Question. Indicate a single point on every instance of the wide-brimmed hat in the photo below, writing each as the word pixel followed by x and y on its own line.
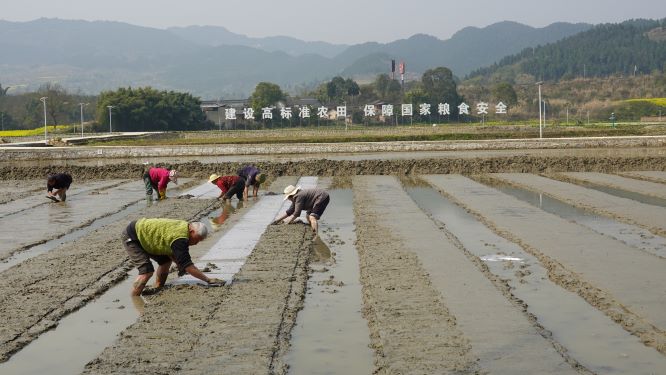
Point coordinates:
pixel 260 178
pixel 213 177
pixel 290 190
pixel 173 176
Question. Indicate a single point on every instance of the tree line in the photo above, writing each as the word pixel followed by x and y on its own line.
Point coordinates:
pixel 133 109
pixel 148 109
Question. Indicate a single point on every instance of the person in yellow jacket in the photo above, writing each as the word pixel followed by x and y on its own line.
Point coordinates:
pixel 164 241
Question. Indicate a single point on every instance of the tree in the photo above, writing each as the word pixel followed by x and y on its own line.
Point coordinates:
pixel 440 86
pixel 416 97
pixel 146 109
pixel 504 92
pixel 266 94
pixel 57 102
pixel 352 87
pixel 388 89
pixel 382 83
pixel 336 89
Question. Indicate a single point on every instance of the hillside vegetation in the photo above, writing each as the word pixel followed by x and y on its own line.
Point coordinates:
pixel 631 98
pixel 629 48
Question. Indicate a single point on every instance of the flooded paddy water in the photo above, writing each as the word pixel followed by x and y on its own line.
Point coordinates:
pixel 502 273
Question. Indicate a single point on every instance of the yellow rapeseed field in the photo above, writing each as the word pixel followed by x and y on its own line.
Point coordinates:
pixel 33 132
pixel 658 101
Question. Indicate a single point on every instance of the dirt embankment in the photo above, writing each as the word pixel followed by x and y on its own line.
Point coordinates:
pixel 325 167
pixel 241 328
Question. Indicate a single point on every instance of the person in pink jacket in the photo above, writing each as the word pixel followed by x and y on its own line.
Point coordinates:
pixel 157 179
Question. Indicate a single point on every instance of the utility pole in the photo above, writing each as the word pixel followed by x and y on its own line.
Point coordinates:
pixel 43 100
pixel 540 118
pixel 81 105
pixel 110 107
pixel 219 115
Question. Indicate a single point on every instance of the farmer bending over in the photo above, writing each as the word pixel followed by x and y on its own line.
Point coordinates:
pixel 253 177
pixel 157 179
pixel 229 185
pixel 57 185
pixel 164 241
pixel 313 201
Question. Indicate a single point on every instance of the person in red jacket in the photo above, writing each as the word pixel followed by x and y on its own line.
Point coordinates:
pixel 229 185
pixel 157 179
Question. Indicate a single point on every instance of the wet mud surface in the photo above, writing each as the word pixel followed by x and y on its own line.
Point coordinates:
pixel 241 328
pixel 432 302
pixel 578 259
pixel 36 293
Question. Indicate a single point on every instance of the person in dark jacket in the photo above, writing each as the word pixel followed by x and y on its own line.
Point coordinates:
pixel 164 241
pixel 253 177
pixel 313 201
pixel 57 185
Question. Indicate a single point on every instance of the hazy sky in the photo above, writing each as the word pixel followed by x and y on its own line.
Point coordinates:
pixel 342 21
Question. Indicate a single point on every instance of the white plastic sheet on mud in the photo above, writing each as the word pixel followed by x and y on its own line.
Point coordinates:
pixel 500 258
pixel 206 190
pixel 226 257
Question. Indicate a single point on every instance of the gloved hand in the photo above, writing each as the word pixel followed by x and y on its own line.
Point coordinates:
pixel 162 194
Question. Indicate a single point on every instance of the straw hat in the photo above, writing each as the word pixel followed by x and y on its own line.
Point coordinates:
pixel 290 190
pixel 173 176
pixel 260 178
pixel 213 177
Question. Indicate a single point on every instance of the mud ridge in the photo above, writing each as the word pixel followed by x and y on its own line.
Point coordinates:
pixel 642 178
pixel 59 235
pixel 398 317
pixel 13 190
pixel 325 167
pixel 490 180
pixel 37 293
pixel 504 287
pixel 70 195
pixel 560 275
pixel 241 328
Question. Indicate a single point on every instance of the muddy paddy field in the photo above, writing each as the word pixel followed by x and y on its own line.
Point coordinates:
pixel 481 263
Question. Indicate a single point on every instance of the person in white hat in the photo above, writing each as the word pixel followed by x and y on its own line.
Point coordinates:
pixel 313 201
pixel 229 185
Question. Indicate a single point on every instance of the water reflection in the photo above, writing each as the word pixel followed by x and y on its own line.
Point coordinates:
pixel 139 304
pixel 321 252
pixel 227 210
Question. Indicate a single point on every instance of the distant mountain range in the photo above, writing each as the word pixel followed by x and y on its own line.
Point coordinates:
pixel 213 62
pixel 216 36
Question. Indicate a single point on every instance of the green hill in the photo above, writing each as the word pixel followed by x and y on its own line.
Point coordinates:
pixel 629 48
